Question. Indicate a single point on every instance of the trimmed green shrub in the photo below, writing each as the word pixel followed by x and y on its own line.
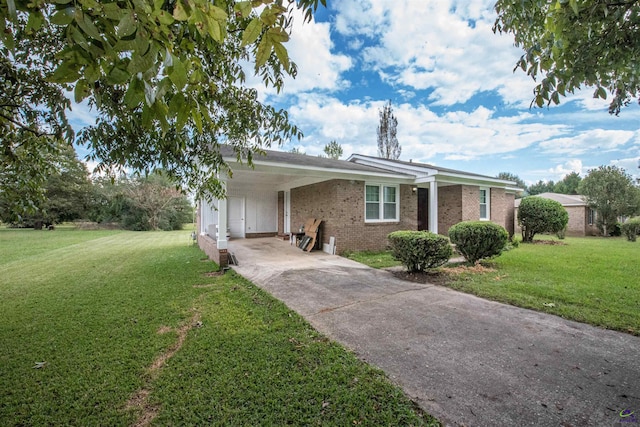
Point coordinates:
pixel 419 250
pixel 540 215
pixel 476 240
pixel 631 228
pixel 616 230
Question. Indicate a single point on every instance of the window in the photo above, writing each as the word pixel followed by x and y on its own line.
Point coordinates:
pixel 592 217
pixel 485 210
pixel 381 203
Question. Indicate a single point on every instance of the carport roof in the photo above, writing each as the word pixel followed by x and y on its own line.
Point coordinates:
pixel 272 157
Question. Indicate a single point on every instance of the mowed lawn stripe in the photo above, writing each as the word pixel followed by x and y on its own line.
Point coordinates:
pixel 84 326
pixel 90 311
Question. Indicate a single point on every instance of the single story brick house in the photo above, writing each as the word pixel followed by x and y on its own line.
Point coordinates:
pixel 582 219
pixel 359 200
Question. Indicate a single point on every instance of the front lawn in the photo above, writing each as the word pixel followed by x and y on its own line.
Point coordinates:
pixel 591 280
pixel 124 328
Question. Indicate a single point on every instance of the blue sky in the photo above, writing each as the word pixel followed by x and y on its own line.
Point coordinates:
pixel 451 83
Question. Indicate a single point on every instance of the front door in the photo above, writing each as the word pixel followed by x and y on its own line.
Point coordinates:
pixel 235 216
pixel 423 209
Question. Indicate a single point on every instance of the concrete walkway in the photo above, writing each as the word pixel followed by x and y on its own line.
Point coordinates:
pixel 463 359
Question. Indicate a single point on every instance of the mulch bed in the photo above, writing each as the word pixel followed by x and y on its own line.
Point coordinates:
pixel 443 275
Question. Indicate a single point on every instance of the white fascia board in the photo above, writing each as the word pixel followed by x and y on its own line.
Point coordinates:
pixel 510 189
pixel 417 171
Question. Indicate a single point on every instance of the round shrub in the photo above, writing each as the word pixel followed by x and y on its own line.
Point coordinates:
pixel 631 228
pixel 540 215
pixel 476 240
pixel 419 250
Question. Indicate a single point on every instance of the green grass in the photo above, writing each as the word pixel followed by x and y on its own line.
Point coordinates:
pixel 373 259
pixel 590 280
pixel 99 307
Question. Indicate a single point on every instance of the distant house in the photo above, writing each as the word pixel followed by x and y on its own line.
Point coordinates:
pixel 582 219
pixel 359 200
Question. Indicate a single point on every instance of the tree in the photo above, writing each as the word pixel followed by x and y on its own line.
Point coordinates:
pixel 541 187
pixel 142 203
pixel 569 184
pixel 388 146
pixel 67 191
pixel 333 150
pixel 165 78
pixel 61 194
pixel 540 215
pixel 296 150
pixel 570 43
pixel 609 190
pixel 155 204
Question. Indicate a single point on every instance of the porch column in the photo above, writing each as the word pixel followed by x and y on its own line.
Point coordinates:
pixel 433 207
pixel 221 243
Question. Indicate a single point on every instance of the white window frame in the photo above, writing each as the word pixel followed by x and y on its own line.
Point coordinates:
pixel 591 216
pixel 381 187
pixel 487 202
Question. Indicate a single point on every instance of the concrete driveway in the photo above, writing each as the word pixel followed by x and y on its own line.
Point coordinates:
pixel 465 360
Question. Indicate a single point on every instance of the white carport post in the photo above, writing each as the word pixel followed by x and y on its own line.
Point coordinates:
pixel 221 241
pixel 433 207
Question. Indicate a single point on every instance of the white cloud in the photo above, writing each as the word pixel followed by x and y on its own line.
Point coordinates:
pixel 422 133
pixel 572 165
pixel 446 46
pixel 310 47
pixel 599 140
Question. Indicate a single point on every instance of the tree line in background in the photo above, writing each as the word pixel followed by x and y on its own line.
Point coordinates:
pixel 609 190
pixel 134 203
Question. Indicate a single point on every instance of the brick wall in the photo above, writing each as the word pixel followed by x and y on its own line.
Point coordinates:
pixel 208 246
pixel 471 202
pixel 509 218
pixel 340 205
pixel 449 207
pixel 458 203
pixel 577 225
pixel 498 205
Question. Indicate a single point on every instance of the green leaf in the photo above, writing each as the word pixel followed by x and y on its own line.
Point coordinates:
pixel 264 51
pixel 86 24
pixel 67 72
pixel 178 73
pixel 282 54
pixel 112 11
pixel 574 6
pixel 215 31
pixel 179 13
pixel 252 32
pixel 135 94
pixel 78 37
pixel 117 76
pixel 140 63
pixel 244 7
pixel 278 35
pixel 600 93
pixel 197 119
pixel 11 9
pixel 127 25
pixel 218 14
pixel 81 91
pixel 63 17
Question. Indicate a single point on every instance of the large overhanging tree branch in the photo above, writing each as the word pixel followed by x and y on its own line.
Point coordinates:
pixel 163 75
pixel 573 43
